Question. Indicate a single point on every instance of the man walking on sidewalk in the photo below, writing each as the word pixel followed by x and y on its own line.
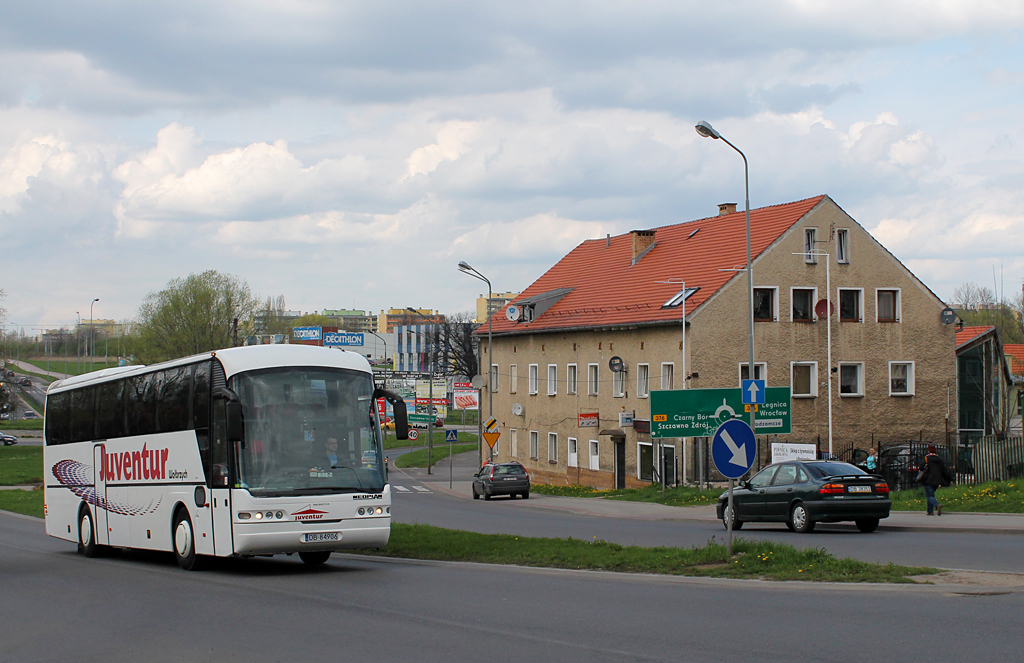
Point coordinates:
pixel 934 475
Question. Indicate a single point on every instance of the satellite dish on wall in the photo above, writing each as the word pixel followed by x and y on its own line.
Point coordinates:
pixel 478 381
pixel 514 313
pixel 948 316
pixel 517 409
pixel 824 308
pixel 616 365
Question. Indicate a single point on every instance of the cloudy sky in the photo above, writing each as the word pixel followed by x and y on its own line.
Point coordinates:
pixel 349 154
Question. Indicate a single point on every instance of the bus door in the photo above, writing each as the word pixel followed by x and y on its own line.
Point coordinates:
pixel 219 480
pixel 99 482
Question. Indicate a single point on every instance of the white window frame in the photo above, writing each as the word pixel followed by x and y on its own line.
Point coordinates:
pixel 534 445
pixel 552 447
pixel 572 378
pixel 843 242
pixel 814 378
pixel 573 459
pixel 899 305
pixel 618 384
pixel 775 302
pixel 810 246
pixel 513 442
pixel 534 379
pixel 595 455
pixel 814 300
pixel 910 378
pixel 513 378
pixel 760 371
pixel 643 380
pixel 860 303
pixel 668 383
pixel 860 379
pixel 552 379
pixel 494 386
pixel 593 379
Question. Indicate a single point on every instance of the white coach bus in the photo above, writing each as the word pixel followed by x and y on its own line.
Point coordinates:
pixel 246 451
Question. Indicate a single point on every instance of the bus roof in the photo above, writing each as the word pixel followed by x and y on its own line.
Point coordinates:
pixel 234 360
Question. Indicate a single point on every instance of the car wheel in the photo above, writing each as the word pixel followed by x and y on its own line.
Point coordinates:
pixel 726 514
pixel 314 558
pixel 487 494
pixel 86 534
pixel 800 521
pixel 867 525
pixel 184 542
pixel 476 495
pixel 526 494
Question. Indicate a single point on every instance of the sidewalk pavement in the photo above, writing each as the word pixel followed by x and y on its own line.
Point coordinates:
pixel 898 521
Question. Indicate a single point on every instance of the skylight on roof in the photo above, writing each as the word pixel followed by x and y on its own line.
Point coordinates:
pixel 677 299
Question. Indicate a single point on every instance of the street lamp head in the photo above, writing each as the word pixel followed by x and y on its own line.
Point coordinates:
pixel 97 299
pixel 411 309
pixel 706 130
pixel 464 266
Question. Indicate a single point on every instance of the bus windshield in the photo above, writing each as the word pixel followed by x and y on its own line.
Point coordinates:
pixel 308 431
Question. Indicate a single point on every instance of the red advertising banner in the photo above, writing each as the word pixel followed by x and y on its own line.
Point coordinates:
pixel 466 399
pixel 589 419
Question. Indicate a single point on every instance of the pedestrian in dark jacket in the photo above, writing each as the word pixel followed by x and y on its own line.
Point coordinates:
pixel 934 475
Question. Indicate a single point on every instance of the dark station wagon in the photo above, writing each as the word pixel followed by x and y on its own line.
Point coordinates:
pixel 501 479
pixel 804 493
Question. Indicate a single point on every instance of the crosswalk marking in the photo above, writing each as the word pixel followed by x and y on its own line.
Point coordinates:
pixel 421 489
pixel 402 489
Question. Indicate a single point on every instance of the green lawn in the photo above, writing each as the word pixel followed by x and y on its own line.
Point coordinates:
pixel 22 424
pixel 20 465
pixel 993 497
pixel 391 442
pixel 751 559
pixel 682 496
pixel 28 502
pixel 439 453
pixel 71 367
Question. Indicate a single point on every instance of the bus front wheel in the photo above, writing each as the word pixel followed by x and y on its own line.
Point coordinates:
pixel 184 541
pixel 86 534
pixel 315 558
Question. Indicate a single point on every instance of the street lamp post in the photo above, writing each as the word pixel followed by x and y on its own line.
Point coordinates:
pixel 465 268
pixel 384 341
pixel 707 131
pixel 78 342
pixel 92 339
pixel 430 393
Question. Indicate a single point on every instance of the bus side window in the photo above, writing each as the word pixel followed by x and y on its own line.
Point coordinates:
pixel 200 410
pixel 218 474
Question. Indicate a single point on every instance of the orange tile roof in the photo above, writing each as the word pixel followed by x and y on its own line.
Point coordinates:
pixel 1016 351
pixel 607 290
pixel 968 334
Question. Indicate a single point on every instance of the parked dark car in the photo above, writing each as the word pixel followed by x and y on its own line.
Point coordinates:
pixel 501 479
pixel 804 493
pixel 8 440
pixel 25 382
pixel 29 414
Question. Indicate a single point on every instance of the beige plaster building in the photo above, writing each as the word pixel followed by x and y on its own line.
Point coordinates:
pixel 558 403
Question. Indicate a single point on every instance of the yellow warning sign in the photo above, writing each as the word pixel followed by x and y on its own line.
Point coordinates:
pixel 491 438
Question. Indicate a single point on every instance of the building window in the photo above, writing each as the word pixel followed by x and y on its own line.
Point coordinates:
pixel 851 379
pixel 494 377
pixel 810 245
pixel 513 378
pixel 803 304
pixel 901 378
pixel 645 461
pixel 513 437
pixel 595 463
pixel 764 305
pixel 619 384
pixel 552 379
pixel 760 371
pixel 842 245
pixel 552 447
pixel 570 379
pixel 804 379
pixel 667 375
pixel 573 458
pixel 643 380
pixel 592 379
pixel 851 308
pixel 533 379
pixel 534 443
pixel 888 305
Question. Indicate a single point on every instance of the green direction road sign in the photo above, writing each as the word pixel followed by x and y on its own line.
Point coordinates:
pixel 418 418
pixel 699 412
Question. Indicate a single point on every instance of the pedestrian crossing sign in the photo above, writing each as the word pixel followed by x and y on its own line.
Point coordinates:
pixel 451 435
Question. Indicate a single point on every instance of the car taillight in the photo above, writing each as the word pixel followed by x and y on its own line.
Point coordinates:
pixel 832 489
pixel 881 488
pixel 492 474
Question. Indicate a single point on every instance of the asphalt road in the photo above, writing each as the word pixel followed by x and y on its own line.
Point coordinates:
pixel 59 606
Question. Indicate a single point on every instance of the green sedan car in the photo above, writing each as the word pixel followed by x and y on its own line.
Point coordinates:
pixel 804 493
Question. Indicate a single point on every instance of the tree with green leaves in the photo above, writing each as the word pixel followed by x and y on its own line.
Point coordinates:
pixel 192 315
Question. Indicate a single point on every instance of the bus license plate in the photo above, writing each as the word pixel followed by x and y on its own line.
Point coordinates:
pixel 320 537
pixel 859 489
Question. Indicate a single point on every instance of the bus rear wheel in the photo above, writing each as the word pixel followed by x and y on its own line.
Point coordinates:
pixel 315 558
pixel 86 534
pixel 183 541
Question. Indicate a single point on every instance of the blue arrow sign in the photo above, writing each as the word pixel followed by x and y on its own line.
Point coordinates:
pixel 753 392
pixel 451 435
pixel 732 448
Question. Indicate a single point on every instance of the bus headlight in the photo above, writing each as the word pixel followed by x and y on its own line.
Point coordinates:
pixel 244 515
pixel 258 515
pixel 379 511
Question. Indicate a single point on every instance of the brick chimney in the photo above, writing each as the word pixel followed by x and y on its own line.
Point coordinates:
pixel 726 208
pixel 642 241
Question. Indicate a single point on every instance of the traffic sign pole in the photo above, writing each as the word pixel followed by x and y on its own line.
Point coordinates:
pixel 730 450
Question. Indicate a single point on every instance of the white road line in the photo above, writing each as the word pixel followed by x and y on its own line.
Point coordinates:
pixel 402 489
pixel 421 489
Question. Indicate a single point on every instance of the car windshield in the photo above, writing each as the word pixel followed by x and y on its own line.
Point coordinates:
pixel 308 431
pixel 838 469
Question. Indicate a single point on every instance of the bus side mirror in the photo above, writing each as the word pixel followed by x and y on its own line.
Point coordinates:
pixel 398 405
pixel 235 424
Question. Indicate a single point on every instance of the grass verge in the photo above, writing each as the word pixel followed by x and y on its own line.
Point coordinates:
pixel 391 442
pixel 681 496
pixel 751 559
pixel 992 497
pixel 69 367
pixel 28 502
pixel 21 465
pixel 439 453
pixel 22 424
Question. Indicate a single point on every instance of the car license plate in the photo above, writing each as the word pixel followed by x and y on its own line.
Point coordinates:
pixel 858 489
pixel 320 537
pixel 510 478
